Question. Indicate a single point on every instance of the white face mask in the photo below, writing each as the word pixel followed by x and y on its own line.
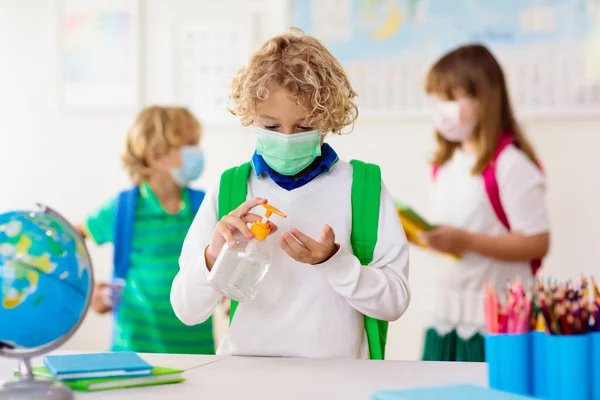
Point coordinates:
pixel 447 120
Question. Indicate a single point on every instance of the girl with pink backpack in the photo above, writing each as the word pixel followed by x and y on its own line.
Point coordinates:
pixel 488 200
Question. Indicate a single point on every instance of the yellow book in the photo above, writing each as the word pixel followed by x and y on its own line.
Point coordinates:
pixel 414 224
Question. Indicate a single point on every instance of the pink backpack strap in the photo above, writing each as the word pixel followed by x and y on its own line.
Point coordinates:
pixel 535 266
pixel 493 192
pixel 434 172
pixel 491 184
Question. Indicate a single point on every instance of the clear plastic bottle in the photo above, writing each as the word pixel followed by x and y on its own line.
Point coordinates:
pixel 239 269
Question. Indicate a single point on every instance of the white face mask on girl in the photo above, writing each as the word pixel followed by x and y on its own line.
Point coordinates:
pixel 451 123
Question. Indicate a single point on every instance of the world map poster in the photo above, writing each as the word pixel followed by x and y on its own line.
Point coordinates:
pixel 549 49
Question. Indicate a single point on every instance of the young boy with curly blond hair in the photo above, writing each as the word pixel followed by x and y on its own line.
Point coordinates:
pixel 147 226
pixel 340 260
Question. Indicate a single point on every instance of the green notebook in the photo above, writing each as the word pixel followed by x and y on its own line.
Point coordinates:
pixel 413 216
pixel 160 376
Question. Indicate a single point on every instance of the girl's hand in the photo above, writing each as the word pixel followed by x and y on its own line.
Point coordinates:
pixel 226 304
pixel 447 239
pixel 306 250
pixel 234 222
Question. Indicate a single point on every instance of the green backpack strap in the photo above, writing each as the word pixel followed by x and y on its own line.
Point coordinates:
pixel 233 190
pixel 366 200
pixel 366 194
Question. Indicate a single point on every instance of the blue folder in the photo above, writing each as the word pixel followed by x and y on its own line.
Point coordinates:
pixel 97 365
pixel 457 392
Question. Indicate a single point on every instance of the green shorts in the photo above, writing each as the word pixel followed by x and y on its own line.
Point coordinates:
pixel 451 347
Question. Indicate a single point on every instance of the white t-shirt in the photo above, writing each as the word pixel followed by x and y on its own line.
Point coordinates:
pixel 460 199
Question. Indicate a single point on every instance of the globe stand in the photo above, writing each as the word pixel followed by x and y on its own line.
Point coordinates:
pixel 27 387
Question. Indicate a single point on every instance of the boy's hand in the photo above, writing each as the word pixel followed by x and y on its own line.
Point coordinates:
pixel 307 250
pixel 447 239
pixel 102 297
pixel 229 225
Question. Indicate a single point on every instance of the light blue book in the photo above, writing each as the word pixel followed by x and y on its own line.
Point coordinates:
pixel 97 365
pixel 457 392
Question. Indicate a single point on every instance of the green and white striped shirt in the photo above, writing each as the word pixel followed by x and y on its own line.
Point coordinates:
pixel 145 321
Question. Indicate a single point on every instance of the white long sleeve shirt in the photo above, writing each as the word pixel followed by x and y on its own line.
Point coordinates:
pixel 302 310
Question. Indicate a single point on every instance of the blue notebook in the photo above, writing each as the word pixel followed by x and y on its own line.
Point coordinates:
pixel 98 365
pixel 458 392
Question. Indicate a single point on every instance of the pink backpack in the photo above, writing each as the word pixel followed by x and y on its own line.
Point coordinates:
pixel 493 192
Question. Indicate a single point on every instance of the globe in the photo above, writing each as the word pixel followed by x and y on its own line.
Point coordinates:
pixel 45 284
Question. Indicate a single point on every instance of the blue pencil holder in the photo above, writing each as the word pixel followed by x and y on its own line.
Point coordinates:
pixel 595 360
pixel 509 362
pixel 568 362
pixel 539 367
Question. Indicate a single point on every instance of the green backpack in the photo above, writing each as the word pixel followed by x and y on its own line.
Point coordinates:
pixel 366 193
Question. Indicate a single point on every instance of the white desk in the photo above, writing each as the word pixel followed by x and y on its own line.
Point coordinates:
pixel 209 377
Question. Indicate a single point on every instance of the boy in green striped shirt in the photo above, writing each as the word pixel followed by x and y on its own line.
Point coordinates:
pixel 162 156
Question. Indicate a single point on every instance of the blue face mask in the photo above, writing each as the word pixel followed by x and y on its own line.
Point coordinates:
pixel 192 159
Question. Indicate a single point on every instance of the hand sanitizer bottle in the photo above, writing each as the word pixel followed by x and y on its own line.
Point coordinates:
pixel 239 269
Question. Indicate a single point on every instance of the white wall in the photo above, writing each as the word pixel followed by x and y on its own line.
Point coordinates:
pixel 71 161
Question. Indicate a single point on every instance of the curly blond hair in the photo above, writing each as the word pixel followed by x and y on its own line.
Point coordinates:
pixel 305 68
pixel 157 129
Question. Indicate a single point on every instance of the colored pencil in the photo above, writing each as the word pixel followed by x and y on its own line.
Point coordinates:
pixel 566 308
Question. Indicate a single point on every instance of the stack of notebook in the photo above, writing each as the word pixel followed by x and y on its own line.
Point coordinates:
pixel 102 371
pixel 414 224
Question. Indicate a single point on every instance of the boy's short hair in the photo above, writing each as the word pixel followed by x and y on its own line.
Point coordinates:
pixel 158 129
pixel 304 67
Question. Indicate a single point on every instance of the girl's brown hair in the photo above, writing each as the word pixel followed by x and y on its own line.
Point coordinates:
pixel 474 71
pixel 305 68
pixel 157 129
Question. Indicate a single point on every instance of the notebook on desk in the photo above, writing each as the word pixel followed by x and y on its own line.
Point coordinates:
pixel 456 392
pixel 159 376
pixel 98 365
